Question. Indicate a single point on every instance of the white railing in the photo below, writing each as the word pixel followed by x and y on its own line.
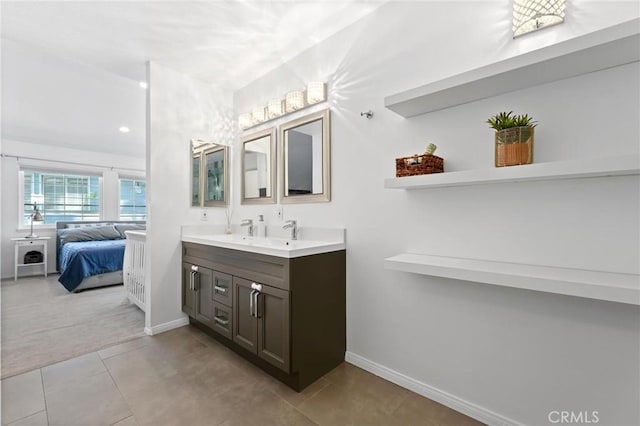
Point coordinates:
pixel 133 268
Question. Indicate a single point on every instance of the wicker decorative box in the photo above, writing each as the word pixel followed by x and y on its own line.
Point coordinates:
pixel 419 165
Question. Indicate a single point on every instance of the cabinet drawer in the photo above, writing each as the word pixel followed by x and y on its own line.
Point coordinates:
pixel 222 319
pixel 222 288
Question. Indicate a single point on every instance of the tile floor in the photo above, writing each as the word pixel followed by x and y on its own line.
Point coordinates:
pixel 184 377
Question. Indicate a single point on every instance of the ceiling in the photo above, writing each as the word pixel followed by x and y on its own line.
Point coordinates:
pixel 70 69
pixel 227 43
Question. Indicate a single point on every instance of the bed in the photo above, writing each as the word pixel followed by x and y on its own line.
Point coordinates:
pixel 91 254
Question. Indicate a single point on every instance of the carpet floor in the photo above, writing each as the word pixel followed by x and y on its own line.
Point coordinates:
pixel 43 324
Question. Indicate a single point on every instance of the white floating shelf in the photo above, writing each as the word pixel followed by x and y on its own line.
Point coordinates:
pixel 571 169
pixel 610 47
pixel 611 286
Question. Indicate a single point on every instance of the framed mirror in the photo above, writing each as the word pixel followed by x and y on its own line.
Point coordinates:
pixel 259 168
pixel 195 177
pixel 306 159
pixel 209 174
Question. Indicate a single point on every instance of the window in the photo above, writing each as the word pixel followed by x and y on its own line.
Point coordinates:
pixel 133 199
pixel 60 196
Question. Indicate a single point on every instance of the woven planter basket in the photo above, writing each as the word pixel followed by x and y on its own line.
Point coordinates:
pixel 514 146
pixel 419 165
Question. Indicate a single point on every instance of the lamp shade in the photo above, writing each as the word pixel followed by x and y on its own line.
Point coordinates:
pixel 274 109
pixel 257 115
pixel 294 101
pixel 244 120
pixel 532 15
pixel 316 92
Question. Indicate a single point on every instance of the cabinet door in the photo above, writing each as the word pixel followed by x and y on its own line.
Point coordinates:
pixel 222 288
pixel 204 296
pixel 273 327
pixel 245 331
pixel 188 291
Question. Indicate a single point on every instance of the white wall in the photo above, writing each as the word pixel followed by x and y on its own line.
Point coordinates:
pixel 516 353
pixel 179 109
pixel 109 166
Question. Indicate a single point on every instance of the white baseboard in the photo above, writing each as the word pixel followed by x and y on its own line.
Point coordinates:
pixel 468 408
pixel 161 328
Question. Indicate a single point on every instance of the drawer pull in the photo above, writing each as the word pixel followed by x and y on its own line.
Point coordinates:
pixel 220 289
pixel 221 321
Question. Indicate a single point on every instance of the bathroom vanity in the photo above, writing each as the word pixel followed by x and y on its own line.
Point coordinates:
pixel 279 303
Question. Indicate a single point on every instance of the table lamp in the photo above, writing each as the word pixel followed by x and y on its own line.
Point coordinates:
pixel 35 216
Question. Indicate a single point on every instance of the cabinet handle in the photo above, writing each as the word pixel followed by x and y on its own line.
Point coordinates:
pixel 256 286
pixel 221 321
pixel 194 268
pixel 192 279
pixel 220 289
pixel 257 303
pixel 251 302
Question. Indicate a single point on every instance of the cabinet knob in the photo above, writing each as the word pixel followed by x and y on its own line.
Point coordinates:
pixel 194 268
pixel 256 286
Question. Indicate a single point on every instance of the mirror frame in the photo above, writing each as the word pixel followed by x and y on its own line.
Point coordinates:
pixel 325 195
pixel 202 151
pixel 272 179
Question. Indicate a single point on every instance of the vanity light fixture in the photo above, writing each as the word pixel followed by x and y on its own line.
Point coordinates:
pixel 532 15
pixel 124 129
pixel 294 101
pixel 244 121
pixel 274 109
pixel 143 84
pixel 316 92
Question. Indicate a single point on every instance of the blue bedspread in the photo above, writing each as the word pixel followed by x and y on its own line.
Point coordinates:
pixel 81 260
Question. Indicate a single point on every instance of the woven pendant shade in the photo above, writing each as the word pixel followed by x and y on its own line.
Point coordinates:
pixel 532 15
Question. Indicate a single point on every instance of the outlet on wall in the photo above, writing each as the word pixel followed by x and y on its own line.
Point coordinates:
pixel 204 214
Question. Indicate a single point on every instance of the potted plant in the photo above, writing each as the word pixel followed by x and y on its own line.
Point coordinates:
pixel 514 138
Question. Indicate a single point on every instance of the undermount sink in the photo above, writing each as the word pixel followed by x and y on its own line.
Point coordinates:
pixel 280 247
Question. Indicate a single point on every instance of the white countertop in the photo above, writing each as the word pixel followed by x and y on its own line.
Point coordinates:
pixel 324 241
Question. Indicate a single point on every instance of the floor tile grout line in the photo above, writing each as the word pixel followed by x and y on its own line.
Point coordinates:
pixel 120 353
pixel 115 383
pixel 25 417
pixel 318 391
pixel 293 406
pixel 44 396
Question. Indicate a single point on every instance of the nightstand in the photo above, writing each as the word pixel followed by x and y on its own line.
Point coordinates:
pixel 23 245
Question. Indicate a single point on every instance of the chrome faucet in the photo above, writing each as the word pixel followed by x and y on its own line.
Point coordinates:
pixel 294 228
pixel 249 223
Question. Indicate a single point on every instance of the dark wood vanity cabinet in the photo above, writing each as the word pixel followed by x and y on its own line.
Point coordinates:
pixel 286 315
